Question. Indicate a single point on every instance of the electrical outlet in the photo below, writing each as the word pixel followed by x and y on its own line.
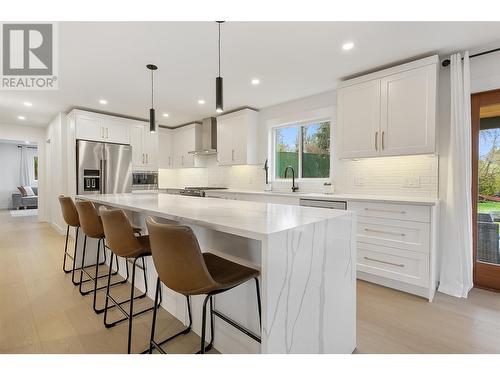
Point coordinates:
pixel 411 182
pixel 358 181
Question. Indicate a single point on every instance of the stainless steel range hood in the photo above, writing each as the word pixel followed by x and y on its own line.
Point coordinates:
pixel 209 137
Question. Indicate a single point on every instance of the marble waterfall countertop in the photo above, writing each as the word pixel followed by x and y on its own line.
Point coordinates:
pixel 247 219
pixel 307 262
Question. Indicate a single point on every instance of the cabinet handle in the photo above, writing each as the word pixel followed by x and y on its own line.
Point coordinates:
pixel 383 143
pixel 376 141
pixel 384 232
pixel 385 262
pixel 390 211
pixel 232 155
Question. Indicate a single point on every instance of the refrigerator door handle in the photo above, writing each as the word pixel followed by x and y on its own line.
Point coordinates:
pixel 101 188
pixel 105 173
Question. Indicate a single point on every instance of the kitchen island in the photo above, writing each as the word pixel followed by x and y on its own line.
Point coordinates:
pixel 307 259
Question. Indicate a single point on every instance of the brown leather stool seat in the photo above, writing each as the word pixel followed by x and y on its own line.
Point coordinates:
pixel 226 273
pixel 123 243
pixel 70 216
pixel 183 268
pixel 91 225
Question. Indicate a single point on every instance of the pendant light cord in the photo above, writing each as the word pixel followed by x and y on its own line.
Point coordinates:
pixel 219 49
pixel 152 89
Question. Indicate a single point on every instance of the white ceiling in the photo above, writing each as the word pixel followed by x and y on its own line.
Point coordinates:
pixel 291 59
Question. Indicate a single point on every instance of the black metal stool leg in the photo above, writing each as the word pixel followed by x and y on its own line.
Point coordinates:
pixel 153 323
pixel 96 310
pixel 81 268
pixel 204 323
pixel 66 251
pixel 258 301
pixel 107 289
pixel 74 258
pixel 131 313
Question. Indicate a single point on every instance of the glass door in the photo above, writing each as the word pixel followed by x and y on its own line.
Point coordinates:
pixel 486 190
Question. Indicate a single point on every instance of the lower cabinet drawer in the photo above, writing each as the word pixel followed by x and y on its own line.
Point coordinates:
pixel 391 211
pixel 396 264
pixel 400 234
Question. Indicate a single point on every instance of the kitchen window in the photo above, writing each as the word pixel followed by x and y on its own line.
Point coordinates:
pixel 304 146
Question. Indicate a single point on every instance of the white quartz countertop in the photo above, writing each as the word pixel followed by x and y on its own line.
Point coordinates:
pixel 247 219
pixel 346 197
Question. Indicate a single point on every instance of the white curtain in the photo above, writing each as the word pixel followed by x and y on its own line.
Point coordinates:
pixel 27 172
pixel 24 177
pixel 456 241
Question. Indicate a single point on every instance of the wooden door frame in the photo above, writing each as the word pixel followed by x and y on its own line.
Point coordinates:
pixel 484 274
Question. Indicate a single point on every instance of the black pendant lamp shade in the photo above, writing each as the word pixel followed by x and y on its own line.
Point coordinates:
pixel 219 102
pixel 152 127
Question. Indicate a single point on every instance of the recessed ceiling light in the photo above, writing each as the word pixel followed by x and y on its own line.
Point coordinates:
pixel 347 46
pixel 165 115
pixel 21 117
pixel 255 81
pixel 27 104
pixel 201 101
pixel 103 101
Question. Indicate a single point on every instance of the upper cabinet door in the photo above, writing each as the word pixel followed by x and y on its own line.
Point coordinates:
pixel 89 128
pixel 150 148
pixel 136 138
pixel 408 112
pixel 237 137
pixel 165 148
pixel 358 120
pixel 116 131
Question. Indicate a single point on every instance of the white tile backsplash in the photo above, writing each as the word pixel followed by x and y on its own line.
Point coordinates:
pixel 415 175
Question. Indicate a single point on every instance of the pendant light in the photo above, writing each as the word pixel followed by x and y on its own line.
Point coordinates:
pixel 219 106
pixel 152 127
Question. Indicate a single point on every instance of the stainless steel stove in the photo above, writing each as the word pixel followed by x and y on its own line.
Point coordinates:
pixel 198 191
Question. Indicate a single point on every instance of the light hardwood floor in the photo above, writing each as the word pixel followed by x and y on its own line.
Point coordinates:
pixel 42 312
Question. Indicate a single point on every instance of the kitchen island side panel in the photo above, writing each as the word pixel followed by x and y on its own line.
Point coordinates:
pixel 309 288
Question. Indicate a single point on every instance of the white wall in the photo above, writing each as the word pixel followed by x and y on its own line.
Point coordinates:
pixel 57 162
pixel 34 135
pixel 382 176
pixel 10 158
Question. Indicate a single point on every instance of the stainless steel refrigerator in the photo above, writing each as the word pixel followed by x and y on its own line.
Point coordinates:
pixel 103 168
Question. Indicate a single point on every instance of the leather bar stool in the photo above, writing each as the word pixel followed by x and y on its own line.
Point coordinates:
pixel 91 225
pixel 123 243
pixel 70 216
pixel 183 268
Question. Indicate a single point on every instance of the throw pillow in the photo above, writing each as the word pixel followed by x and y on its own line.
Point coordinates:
pixel 29 191
pixel 22 191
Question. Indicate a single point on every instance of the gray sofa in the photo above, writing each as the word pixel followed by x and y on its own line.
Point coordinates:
pixel 19 201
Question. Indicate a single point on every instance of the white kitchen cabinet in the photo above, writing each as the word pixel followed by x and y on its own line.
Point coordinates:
pixel 237 138
pixel 408 112
pixel 165 148
pixel 359 119
pixel 144 147
pixel 397 245
pixel 186 139
pixel 391 112
pixel 101 128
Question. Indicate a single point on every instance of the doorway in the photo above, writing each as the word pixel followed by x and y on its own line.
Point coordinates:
pixel 485 113
pixel 19 183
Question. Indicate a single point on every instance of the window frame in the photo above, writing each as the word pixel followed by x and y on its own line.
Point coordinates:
pixel 300 125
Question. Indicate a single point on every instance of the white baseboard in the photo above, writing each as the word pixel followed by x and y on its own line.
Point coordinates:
pixel 393 284
pixel 60 230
